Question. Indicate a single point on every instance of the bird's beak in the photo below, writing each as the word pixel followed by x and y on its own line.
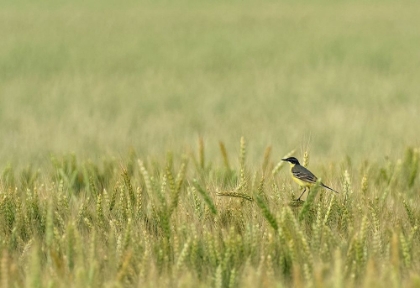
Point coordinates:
pixel 284 159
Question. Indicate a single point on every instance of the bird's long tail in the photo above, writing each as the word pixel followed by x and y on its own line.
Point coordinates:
pixel 325 186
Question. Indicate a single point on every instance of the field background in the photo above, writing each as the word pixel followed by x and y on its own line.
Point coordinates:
pixel 89 87
pixel 97 78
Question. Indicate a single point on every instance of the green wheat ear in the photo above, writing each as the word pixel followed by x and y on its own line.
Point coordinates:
pixel 364 184
pixel 177 184
pixel 242 155
pixel 259 199
pixel 411 165
pixel 305 161
pixel 128 186
pixel 232 278
pixel 146 177
pixel 49 230
pixel 266 159
pixel 180 262
pixel 71 243
pixel 224 155
pixel 99 211
pixel 139 203
pixel 206 196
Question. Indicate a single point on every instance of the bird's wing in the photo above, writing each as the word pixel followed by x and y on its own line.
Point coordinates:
pixel 303 174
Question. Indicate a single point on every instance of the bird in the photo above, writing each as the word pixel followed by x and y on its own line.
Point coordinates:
pixel 302 176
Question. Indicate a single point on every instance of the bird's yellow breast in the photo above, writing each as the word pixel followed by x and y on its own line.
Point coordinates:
pixel 300 182
pixel 297 180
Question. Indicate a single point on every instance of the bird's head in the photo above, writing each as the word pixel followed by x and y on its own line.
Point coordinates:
pixel 292 160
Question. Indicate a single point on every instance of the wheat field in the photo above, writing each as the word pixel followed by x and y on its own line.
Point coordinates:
pixel 142 143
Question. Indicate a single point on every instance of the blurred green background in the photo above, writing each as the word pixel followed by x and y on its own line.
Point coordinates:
pixel 98 78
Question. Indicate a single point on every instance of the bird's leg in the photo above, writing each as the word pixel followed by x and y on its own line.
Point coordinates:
pixel 304 190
